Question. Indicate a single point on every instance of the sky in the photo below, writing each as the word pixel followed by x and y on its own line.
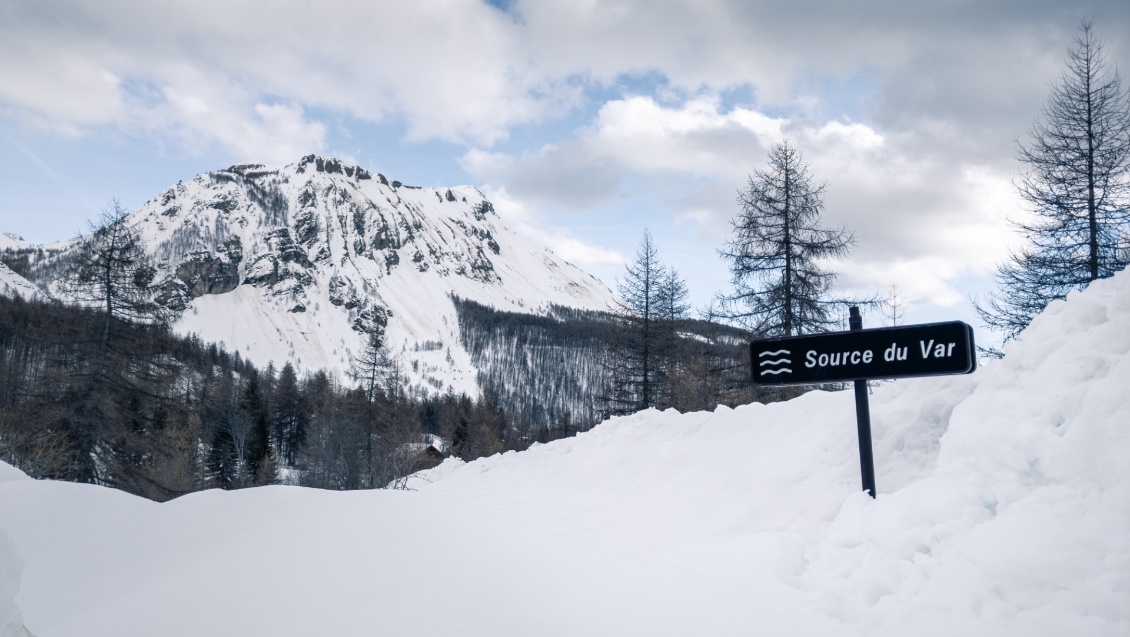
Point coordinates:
pixel 585 121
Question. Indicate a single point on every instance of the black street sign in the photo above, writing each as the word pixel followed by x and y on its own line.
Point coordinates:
pixel 931 349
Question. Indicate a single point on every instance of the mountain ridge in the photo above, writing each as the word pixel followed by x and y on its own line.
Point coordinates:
pixel 298 263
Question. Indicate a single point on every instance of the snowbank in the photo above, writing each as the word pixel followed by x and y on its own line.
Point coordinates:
pixel 1004 503
pixel 1003 509
pixel 11 621
pixel 8 472
pixel 11 567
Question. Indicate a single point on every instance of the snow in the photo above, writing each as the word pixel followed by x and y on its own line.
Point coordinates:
pixel 399 252
pixel 11 621
pixel 14 285
pixel 1003 509
pixel 11 566
pixel 353 218
pixel 12 241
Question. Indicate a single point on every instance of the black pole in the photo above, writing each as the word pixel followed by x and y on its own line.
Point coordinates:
pixel 863 417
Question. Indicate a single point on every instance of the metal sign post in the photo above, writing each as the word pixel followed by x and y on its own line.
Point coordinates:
pixel 859 355
pixel 863 417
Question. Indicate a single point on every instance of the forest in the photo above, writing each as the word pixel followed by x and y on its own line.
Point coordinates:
pixel 559 371
pixel 160 415
pixel 101 390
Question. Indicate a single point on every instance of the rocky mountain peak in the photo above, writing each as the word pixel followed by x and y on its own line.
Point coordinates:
pixel 307 258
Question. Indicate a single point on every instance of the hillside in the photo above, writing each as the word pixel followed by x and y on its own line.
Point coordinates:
pixel 12 284
pixel 1003 509
pixel 298 263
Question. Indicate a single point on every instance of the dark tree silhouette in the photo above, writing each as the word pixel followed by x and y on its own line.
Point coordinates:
pixel 372 367
pixel 291 416
pixel 1077 164
pixel 114 388
pixel 780 288
pixel 110 271
pixel 644 340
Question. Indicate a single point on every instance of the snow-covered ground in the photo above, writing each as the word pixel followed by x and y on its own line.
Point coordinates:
pixel 1003 509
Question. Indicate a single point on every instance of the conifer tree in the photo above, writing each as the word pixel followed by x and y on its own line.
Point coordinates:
pixel 372 367
pixel 110 271
pixel 253 409
pixel 291 416
pixel 780 285
pixel 1077 182
pixel 652 300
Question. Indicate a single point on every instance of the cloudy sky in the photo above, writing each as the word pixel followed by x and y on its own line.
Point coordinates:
pixel 586 121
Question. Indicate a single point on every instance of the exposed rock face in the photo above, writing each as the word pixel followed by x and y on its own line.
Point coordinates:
pixel 283 231
pixel 371 320
pixel 343 292
pixel 211 272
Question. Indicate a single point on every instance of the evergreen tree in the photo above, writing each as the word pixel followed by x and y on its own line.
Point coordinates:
pixel 226 441
pixel 1078 164
pixel 673 313
pixel 372 367
pixel 291 416
pixel 892 306
pixel 461 439
pixel 110 271
pixel 253 410
pixel 780 288
pixel 113 381
pixel 652 301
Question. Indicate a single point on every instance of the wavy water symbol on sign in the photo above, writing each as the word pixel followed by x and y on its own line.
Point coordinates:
pixel 773 366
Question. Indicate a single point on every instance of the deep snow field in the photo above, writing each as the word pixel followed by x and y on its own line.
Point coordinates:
pixel 1003 509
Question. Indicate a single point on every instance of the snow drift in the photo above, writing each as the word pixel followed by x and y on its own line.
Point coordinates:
pixel 1003 509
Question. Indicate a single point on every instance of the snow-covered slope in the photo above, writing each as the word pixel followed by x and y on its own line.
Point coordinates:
pixel 1003 509
pixel 297 263
pixel 13 285
pixel 10 241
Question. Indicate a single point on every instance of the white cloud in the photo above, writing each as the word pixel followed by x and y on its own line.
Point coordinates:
pixel 450 69
pixel 908 111
pixel 273 133
pixel 695 138
pixel 922 218
pixel 533 225
pixel 633 135
pixel 467 72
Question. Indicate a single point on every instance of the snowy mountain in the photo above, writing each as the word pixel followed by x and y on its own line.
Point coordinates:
pixel 297 263
pixel 11 283
pixel 1003 510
